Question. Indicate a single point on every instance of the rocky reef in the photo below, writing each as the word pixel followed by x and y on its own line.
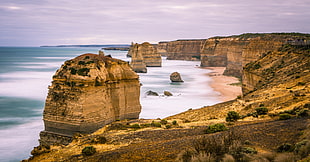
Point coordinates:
pixel 144 54
pixel 87 93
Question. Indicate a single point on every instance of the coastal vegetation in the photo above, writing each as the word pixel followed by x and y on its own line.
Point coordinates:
pixel 268 122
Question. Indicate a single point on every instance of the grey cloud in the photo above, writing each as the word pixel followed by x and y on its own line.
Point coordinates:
pixel 119 21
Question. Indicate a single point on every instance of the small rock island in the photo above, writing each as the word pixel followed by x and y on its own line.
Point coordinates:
pixel 87 93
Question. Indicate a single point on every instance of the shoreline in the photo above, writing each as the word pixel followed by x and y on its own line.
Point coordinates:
pixel 222 84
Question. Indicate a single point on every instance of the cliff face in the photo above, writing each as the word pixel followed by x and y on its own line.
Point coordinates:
pixel 184 49
pixel 235 52
pixel 88 92
pixel 162 48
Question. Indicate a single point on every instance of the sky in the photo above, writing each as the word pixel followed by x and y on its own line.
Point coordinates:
pixel 65 22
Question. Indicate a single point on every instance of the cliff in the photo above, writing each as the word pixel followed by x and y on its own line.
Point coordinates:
pixel 184 49
pixel 234 52
pixel 137 63
pixel 87 93
pixel 162 48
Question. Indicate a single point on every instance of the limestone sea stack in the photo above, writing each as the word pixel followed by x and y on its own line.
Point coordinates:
pixel 150 55
pixel 137 63
pixel 87 93
pixel 144 54
pixel 176 77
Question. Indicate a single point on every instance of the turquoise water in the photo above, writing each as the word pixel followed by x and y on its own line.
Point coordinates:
pixel 26 72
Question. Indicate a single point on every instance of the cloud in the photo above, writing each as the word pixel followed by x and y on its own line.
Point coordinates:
pixel 101 21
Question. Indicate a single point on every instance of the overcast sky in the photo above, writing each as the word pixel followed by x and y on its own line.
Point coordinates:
pixel 54 22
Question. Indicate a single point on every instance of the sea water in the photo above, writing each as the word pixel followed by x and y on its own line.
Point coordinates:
pixel 26 72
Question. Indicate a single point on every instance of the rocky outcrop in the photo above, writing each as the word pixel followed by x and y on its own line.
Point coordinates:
pixel 162 48
pixel 144 54
pixel 184 49
pixel 234 52
pixel 87 93
pixel 175 77
pixel 137 63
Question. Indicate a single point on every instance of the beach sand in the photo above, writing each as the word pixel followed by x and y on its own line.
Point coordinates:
pixel 221 83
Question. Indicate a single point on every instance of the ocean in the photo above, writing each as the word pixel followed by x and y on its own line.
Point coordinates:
pixel 26 72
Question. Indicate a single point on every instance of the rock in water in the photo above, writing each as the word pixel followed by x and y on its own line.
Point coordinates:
pixel 87 93
pixel 167 93
pixel 176 77
pixel 137 62
pixel 152 93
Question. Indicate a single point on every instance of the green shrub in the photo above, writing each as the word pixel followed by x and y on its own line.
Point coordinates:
pixel 168 126
pixel 215 128
pixel 155 124
pixel 261 110
pixel 163 122
pixel 284 116
pixel 73 71
pixel 81 63
pixel 135 126
pixel 232 116
pixel 248 150
pixel 83 71
pixel 303 113
pixel 285 148
pixel 174 122
pixel 89 150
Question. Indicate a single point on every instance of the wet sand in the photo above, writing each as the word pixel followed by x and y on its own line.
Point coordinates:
pixel 221 83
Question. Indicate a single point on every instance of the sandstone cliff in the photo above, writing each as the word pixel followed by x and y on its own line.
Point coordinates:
pixel 88 92
pixel 234 52
pixel 184 49
pixel 162 48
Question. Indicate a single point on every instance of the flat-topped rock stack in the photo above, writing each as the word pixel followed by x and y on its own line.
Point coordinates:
pixel 87 93
pixel 144 55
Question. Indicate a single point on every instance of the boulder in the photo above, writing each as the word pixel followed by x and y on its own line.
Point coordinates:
pixel 151 93
pixel 176 77
pixel 167 93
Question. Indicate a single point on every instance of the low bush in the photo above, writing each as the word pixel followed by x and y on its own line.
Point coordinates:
pixel 174 122
pixel 155 124
pixel 232 116
pixel 163 122
pixel 99 140
pixel 286 147
pixel 261 110
pixel 215 128
pixel 284 116
pixel 89 150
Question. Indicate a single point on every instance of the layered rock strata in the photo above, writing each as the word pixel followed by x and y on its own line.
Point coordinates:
pixel 87 93
pixel 137 63
pixel 234 52
pixel 144 55
pixel 184 49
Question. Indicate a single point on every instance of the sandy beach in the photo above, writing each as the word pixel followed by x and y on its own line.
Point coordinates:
pixel 222 84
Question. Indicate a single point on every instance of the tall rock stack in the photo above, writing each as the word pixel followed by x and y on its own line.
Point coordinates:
pixel 144 55
pixel 87 93
pixel 150 55
pixel 137 63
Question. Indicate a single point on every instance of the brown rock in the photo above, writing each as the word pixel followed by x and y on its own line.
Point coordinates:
pixel 176 77
pixel 137 62
pixel 88 92
pixel 184 49
pixel 167 93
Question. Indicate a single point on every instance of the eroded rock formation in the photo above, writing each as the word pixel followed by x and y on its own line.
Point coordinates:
pixel 234 52
pixel 137 63
pixel 184 49
pixel 88 92
pixel 175 77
